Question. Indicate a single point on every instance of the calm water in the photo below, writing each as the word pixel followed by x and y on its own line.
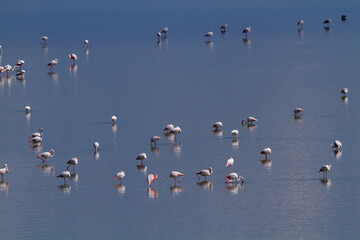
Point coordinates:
pixel 188 82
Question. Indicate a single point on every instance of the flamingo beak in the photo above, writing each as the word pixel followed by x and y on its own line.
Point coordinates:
pixel 115 178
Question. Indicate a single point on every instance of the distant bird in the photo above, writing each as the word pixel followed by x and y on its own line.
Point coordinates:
pixel 1 70
pixel 86 43
pixel 52 63
pixel 298 111
pixel 175 175
pixel 176 130
pixel 45 155
pixel 209 35
pixel 336 144
pixel 164 31
pixel 265 152
pixel 300 23
pixel 27 109
pixel 343 17
pixel 96 146
pixel 73 161
pixel 217 125
pixel 154 139
pixel 205 173
pixel 234 133
pixel 169 127
pixel 36 134
pixel 141 157
pixel 44 39
pixel 229 163
pixel 8 68
pixel 19 63
pixel 113 119
pixel 120 175
pixel 151 178
pixel 327 22
pixel 344 91
pixel 36 140
pixel 158 34
pixel 65 175
pixel 3 171
pixel 246 31
pixel 73 57
pixel 233 177
pixel 325 169
pixel 223 27
pixel 249 121
pixel 0 50
pixel 20 74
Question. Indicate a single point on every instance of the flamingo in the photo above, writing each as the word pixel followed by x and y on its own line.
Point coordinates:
pixel 265 152
pixel 176 130
pixel 246 30
pixel 154 139
pixel 169 127
pixel 158 34
pixel 3 171
pixel 44 39
pixel 86 43
pixel 337 144
pixel 141 157
pixel 297 111
pixel 52 63
pixel 113 119
pixel 233 177
pixel 120 175
pixel 151 178
pixel 36 140
pixel 175 175
pixel 327 22
pixel 343 17
pixel 300 23
pixel 164 31
pixel 234 133
pixel 217 125
pixel 20 74
pixel 36 134
pixel 45 155
pixel 223 27
pixel 344 91
pixel 64 174
pixel 230 163
pixel 325 169
pixel 96 146
pixel 1 70
pixel 73 161
pixel 73 57
pixel 8 68
pixel 209 35
pixel 249 121
pixel 0 50
pixel 27 109
pixel 19 63
pixel 205 172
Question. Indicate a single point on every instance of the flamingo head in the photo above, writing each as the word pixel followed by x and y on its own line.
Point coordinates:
pixel 242 179
pixel 52 151
pixel 210 170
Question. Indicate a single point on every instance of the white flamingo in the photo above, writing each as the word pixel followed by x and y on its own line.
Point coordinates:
pixel 19 63
pixel 205 173
pixel 96 146
pixel 154 139
pixel 120 175
pixel 246 31
pixel 52 63
pixel 37 134
pixel 36 140
pixel 249 121
pixel 223 27
pixel 209 35
pixel 300 23
pixel 8 68
pixel 265 152
pixel 45 155
pixel 169 127
pixel 27 109
pixel 217 125
pixel 235 133
pixel 325 169
pixel 344 91
pixel 176 130
pixel 336 144
pixel 298 111
pixel 20 74
pixel 229 163
pixel 141 157
pixel 233 177
pixel 3 171
pixel 65 175
pixel 175 175
pixel 86 43
pixel 164 31
pixel 151 178
pixel 113 119
pixel 73 56
pixel 1 70
pixel 44 39
pixel 73 161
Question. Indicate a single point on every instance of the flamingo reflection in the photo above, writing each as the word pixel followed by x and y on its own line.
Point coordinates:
pixel 152 193
pixel 208 185
pixel 176 189
pixel 65 188
pixel 234 188
pixel 47 169
pixel 4 187
pixel 120 189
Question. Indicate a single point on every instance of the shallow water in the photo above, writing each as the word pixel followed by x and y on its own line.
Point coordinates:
pixel 186 81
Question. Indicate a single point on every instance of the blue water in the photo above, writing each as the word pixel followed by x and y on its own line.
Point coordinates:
pixel 191 83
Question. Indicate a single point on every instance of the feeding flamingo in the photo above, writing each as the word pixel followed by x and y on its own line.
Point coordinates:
pixel 65 175
pixel 52 63
pixel 3 171
pixel 233 177
pixel 73 161
pixel 265 152
pixel 175 175
pixel 120 175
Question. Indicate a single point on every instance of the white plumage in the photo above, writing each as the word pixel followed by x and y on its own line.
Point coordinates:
pixel 151 178
pixel 205 173
pixel 120 175
pixel 175 175
pixel 336 144
pixel 217 125
pixel 265 152
pixel 234 177
pixel 3 171
pixel 73 161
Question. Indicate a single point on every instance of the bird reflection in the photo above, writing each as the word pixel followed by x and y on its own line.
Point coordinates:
pixel 152 193
pixel 301 32
pixel 37 147
pixel 252 127
pixel 114 128
pixel 47 169
pixel 298 118
pixel 235 143
pixel 169 136
pixel 120 189
pixel 65 188
pixel 142 168
pixel 337 153
pixel 326 182
pixel 234 188
pixel 176 147
pixel 267 163
pixel 176 189
pixel 73 68
pixel 345 99
pixel 4 187
pixel 28 115
pixel 206 185
pixel 155 150
pixel 247 42
pixel 218 133
pixel 96 155
pixel 210 44
pixel 74 177
pixel 53 76
pixel 327 29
